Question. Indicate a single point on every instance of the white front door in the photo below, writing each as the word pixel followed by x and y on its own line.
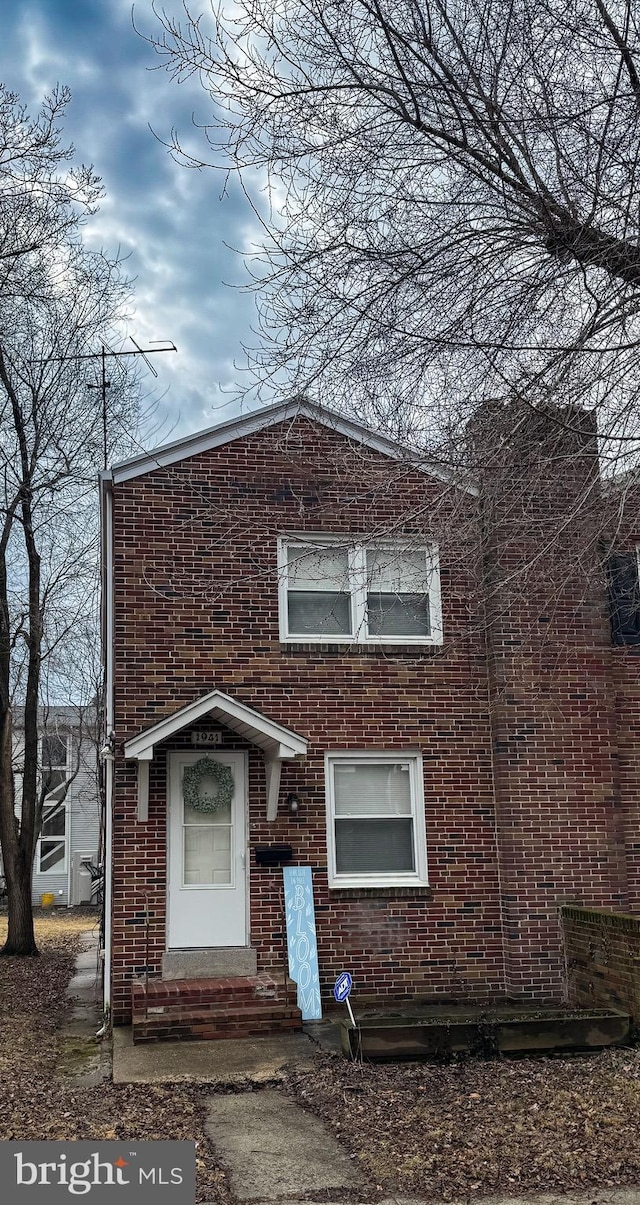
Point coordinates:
pixel 207 889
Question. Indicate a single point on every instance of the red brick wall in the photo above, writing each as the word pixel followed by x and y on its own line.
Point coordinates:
pixel 603 959
pixel 196 609
pixel 515 720
pixel 549 654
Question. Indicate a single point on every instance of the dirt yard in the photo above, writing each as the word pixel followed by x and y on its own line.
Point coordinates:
pixel 471 1128
pixel 35 1103
pixel 450 1132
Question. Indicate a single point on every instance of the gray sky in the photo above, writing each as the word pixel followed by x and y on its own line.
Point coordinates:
pixel 172 223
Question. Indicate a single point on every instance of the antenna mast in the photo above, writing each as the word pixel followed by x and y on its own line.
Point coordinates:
pixel 103 384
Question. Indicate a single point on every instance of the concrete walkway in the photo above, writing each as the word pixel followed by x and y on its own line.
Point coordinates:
pixel 81 1057
pixel 272 1148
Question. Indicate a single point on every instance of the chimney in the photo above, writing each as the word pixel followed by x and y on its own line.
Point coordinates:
pixel 548 655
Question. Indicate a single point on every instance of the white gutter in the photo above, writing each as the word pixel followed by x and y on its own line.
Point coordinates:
pixel 108 629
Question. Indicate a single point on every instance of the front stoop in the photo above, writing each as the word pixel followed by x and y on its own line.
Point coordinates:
pixel 212 962
pixel 205 1009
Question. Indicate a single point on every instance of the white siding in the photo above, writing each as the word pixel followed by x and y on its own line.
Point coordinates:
pixel 82 804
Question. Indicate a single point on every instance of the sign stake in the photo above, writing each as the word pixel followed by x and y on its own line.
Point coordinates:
pixel 341 993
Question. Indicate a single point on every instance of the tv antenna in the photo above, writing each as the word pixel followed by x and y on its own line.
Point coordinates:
pixel 103 384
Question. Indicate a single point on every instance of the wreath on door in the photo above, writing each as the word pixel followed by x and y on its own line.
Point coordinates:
pixel 192 781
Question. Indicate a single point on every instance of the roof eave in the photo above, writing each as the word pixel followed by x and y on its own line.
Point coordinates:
pixel 257 420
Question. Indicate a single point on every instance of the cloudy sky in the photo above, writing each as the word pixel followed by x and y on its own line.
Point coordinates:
pixel 172 223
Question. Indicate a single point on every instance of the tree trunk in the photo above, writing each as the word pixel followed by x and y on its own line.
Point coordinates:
pixel 20 936
pixel 17 862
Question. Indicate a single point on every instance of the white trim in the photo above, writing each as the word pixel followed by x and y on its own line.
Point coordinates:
pixel 357 548
pixel 69 834
pixel 273 738
pixel 143 790
pixel 417 878
pixel 269 416
pixel 59 868
pixel 57 795
pixel 51 801
pixel 272 771
pixel 108 886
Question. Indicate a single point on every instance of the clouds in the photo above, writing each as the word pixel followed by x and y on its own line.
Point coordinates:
pixel 171 223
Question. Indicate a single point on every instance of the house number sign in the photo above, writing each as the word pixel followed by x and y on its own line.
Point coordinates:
pixel 206 738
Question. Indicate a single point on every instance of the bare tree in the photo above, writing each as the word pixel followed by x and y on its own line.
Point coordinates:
pixel 453 199
pixel 57 300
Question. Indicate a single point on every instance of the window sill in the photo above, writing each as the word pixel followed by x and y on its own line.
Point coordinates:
pixel 361 650
pixel 417 891
pixel 381 884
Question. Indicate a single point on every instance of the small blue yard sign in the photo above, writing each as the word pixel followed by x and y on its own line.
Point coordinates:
pixel 301 940
pixel 342 987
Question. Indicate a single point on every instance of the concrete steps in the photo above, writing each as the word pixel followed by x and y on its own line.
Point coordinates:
pixel 208 1009
pixel 214 962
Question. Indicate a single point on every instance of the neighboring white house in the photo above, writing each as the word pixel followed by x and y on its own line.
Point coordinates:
pixel 70 833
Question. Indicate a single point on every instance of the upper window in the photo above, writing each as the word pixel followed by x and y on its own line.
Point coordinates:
pixel 53 760
pixel 624 597
pixel 332 590
pixel 375 820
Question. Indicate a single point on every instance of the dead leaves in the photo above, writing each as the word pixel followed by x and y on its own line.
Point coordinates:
pixel 476 1128
pixel 36 1105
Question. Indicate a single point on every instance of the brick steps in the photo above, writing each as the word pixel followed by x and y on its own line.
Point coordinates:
pixel 174 991
pixel 210 1009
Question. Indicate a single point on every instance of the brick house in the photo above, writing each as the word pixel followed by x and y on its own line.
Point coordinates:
pixel 342 628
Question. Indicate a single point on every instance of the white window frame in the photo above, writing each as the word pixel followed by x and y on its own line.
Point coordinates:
pixel 416 878
pixel 61 867
pixel 357 554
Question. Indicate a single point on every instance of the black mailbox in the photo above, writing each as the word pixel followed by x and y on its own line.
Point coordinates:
pixel 273 855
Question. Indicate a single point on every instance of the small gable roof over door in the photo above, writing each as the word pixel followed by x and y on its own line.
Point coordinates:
pixel 276 741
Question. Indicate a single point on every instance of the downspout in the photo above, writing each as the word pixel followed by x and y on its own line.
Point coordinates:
pixel 68 822
pixel 106 507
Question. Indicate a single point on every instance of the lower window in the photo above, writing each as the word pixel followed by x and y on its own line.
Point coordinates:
pixel 52 853
pixel 375 820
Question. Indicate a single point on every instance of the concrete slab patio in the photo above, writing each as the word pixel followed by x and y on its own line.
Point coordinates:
pixel 217 1063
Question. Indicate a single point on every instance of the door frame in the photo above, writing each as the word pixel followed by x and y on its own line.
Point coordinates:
pixel 244 853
